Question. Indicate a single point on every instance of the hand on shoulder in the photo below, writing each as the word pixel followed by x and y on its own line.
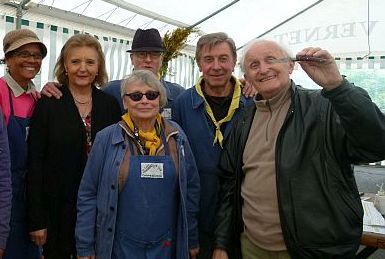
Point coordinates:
pixel 52 89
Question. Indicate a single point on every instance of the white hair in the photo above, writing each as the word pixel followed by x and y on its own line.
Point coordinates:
pixel 288 53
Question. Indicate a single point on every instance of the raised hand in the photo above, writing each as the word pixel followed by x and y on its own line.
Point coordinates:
pixel 326 73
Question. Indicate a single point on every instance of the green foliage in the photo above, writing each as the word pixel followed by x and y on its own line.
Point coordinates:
pixel 372 80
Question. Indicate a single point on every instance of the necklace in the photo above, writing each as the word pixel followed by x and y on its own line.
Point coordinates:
pixel 84 102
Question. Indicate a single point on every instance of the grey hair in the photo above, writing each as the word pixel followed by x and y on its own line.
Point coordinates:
pixel 212 40
pixel 284 48
pixel 148 78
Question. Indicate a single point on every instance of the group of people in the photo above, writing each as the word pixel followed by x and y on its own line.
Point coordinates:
pixel 146 169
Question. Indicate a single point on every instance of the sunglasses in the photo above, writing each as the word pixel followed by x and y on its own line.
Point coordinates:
pixel 137 96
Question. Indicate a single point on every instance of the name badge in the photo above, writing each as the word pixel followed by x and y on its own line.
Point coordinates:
pixel 151 170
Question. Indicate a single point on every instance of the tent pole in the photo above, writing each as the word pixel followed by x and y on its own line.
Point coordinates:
pixel 141 11
pixel 211 15
pixel 19 13
pixel 285 21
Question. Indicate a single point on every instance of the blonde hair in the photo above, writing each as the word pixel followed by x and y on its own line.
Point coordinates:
pixel 81 40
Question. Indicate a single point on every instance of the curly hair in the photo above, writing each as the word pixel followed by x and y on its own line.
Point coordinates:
pixel 81 40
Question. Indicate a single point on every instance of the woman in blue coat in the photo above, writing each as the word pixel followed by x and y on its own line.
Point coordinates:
pixel 139 195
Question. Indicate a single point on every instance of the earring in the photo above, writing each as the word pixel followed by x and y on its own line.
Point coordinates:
pixel 66 73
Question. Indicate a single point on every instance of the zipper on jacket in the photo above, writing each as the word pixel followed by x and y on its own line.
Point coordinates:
pixel 268 121
pixel 277 156
pixel 184 208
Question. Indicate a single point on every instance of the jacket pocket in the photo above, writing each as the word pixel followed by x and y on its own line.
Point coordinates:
pixel 321 217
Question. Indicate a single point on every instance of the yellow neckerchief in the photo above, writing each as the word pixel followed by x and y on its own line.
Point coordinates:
pixel 151 139
pixel 233 106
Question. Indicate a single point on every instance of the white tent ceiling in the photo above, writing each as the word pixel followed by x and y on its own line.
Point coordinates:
pixel 352 30
pixel 341 26
pixel 242 20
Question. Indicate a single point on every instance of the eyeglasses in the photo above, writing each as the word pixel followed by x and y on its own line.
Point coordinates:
pixel 137 96
pixel 144 54
pixel 26 54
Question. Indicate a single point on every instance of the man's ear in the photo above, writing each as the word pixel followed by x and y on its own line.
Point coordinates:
pixel 291 67
pixel 199 66
pixel 245 77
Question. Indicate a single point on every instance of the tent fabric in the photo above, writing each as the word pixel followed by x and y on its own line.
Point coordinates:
pixel 350 30
pixel 117 60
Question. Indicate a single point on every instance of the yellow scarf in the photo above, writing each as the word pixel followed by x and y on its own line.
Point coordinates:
pixel 151 139
pixel 233 106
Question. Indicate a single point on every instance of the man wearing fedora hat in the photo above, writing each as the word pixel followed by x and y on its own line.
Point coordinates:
pixel 146 53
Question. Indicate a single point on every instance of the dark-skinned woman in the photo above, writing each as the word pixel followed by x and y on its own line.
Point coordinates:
pixel 24 53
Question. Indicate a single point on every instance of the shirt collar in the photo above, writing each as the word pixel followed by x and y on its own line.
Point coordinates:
pixel 275 102
pixel 16 88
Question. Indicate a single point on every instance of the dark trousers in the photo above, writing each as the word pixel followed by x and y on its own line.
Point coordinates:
pixel 61 230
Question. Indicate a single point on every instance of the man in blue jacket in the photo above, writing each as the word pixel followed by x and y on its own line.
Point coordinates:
pixel 147 53
pixel 206 112
pixel 288 185
pixel 5 186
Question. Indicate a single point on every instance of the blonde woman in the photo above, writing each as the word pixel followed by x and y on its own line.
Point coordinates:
pixel 61 135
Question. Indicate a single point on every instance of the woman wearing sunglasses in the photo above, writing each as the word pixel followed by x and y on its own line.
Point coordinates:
pixel 24 53
pixel 139 195
pixel 61 135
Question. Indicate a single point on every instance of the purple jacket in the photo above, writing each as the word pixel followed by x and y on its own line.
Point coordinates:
pixel 5 183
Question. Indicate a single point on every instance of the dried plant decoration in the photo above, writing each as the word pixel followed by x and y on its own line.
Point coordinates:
pixel 173 44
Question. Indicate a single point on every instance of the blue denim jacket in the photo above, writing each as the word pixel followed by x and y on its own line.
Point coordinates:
pixel 5 184
pixel 173 90
pixel 190 113
pixel 98 194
